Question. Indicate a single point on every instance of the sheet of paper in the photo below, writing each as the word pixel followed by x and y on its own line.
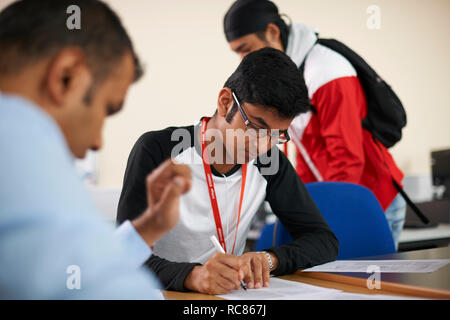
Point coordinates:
pixel 388 266
pixel 279 290
pixel 291 290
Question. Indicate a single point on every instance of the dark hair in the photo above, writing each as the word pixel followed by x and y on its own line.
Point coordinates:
pixel 284 32
pixel 269 78
pixel 252 16
pixel 31 30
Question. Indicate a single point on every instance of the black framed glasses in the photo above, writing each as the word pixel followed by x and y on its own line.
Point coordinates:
pixel 280 136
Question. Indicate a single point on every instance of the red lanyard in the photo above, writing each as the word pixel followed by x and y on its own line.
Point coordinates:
pixel 212 191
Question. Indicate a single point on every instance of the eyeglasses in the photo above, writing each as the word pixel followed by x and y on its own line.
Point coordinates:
pixel 280 136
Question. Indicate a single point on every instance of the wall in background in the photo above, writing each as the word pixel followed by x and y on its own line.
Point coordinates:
pixel 187 61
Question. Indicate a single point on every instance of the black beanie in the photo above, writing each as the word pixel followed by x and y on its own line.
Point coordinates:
pixel 249 16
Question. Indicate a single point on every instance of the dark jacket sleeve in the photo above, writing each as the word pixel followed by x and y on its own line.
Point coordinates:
pixel 148 153
pixel 313 241
pixel 171 274
pixel 142 161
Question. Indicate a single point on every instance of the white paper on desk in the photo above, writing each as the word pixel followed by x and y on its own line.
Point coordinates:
pixel 388 266
pixel 279 289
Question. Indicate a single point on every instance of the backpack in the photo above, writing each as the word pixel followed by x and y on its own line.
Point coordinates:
pixel 386 116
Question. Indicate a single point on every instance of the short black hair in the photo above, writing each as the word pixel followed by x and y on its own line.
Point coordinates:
pixel 269 78
pixel 31 30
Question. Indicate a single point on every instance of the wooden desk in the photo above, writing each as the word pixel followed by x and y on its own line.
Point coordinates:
pixel 434 285
pixel 429 285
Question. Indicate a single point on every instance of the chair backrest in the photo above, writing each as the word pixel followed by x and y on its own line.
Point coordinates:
pixel 355 216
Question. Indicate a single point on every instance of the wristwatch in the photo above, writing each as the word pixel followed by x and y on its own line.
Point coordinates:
pixel 269 260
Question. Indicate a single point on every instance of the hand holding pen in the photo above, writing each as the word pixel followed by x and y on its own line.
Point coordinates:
pixel 220 249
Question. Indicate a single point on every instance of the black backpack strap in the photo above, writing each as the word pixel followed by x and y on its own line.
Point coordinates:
pixel 417 211
pixel 302 66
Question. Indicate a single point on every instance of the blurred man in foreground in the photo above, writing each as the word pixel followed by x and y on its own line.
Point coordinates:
pixel 57 85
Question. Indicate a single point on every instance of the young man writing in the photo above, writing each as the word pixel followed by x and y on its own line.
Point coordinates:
pixel 240 168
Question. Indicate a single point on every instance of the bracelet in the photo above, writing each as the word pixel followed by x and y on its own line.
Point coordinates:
pixel 269 260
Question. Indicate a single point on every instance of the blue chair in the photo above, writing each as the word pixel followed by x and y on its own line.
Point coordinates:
pixel 352 212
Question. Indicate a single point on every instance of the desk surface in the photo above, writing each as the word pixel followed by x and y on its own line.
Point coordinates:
pixel 438 280
pixel 353 288
pixel 427 285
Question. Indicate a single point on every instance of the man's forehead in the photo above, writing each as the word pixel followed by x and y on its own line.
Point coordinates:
pixel 121 77
pixel 241 42
pixel 124 68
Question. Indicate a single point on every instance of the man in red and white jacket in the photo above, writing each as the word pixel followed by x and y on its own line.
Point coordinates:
pixel 331 143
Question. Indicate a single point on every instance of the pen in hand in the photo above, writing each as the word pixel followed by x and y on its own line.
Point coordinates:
pixel 220 249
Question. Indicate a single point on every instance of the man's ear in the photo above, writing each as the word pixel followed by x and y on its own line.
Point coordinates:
pixel 68 77
pixel 224 102
pixel 273 33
